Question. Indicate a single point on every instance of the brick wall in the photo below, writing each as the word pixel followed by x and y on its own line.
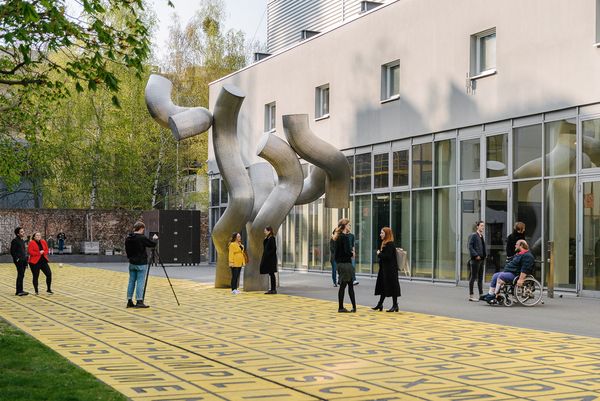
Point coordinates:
pixel 109 227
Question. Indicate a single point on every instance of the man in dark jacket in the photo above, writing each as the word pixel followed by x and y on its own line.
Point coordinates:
pixel 521 264
pixel 477 261
pixel 18 251
pixel 135 247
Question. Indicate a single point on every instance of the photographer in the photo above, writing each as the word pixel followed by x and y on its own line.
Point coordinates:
pixel 135 247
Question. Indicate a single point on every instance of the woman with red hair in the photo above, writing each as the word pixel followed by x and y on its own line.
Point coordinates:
pixel 387 284
pixel 38 260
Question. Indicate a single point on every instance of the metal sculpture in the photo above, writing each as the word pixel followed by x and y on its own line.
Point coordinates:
pixel 254 198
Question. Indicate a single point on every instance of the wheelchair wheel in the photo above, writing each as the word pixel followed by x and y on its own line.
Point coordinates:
pixel 508 301
pixel 530 294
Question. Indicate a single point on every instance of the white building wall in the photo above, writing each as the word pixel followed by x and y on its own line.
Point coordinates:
pixel 545 61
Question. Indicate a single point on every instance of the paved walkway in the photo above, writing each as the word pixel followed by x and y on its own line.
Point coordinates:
pixel 283 347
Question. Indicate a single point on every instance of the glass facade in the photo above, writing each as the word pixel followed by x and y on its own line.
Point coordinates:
pixel 431 193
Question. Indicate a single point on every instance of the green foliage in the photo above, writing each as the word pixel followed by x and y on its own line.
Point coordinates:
pixel 31 371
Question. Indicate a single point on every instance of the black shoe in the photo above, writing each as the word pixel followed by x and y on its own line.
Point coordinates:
pixel 130 304
pixel 378 307
pixel 335 284
pixel 271 292
pixel 37 293
pixel 22 293
pixel 49 292
pixel 353 310
pixel 393 309
pixel 343 310
pixel 141 304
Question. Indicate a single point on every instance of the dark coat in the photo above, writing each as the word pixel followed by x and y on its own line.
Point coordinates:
pixel 18 251
pixel 476 246
pixel 387 278
pixel 135 248
pixel 268 262
pixel 511 241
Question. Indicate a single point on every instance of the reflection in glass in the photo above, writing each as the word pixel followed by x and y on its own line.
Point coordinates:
pixel 560 228
pixel 560 147
pixel 224 194
pixel 214 192
pixel 527 207
pixel 527 151
pixel 214 217
pixel 591 143
pixel 422 165
pixel 470 159
pixel 381 170
pixel 496 220
pixel 422 234
pixel 445 234
pixel 362 233
pixel 315 210
pixel 381 218
pixel 401 220
pixel 351 163
pixel 470 213
pixel 362 170
pixel 497 156
pixel 591 236
pixel 445 162
pixel 400 168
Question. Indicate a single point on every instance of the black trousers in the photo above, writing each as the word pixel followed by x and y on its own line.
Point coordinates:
pixel 341 292
pixel 235 277
pixel 476 273
pixel 382 298
pixel 273 282
pixel 35 272
pixel 20 276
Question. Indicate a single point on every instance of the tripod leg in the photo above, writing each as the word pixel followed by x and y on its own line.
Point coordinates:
pixel 148 274
pixel 167 276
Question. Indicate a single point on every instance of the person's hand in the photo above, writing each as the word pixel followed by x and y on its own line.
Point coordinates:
pixel 41 252
pixel 520 282
pixel 477 257
pixel 155 237
pixel 378 251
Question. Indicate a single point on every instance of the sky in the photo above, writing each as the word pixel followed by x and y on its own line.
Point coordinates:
pixel 247 15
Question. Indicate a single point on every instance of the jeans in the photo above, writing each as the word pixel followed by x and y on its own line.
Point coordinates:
pixel 476 273
pixel 504 276
pixel 137 278
pixel 20 276
pixel 334 272
pixel 235 277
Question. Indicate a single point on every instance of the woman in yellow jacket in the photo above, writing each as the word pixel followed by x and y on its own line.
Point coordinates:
pixel 237 260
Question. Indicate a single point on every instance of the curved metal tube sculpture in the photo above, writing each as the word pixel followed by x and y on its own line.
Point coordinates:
pixel 184 122
pixel 323 155
pixel 314 186
pixel 276 207
pixel 233 171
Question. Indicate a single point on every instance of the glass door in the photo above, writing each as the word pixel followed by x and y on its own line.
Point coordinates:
pixel 590 226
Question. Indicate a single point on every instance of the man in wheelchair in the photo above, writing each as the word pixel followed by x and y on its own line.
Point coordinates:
pixel 521 264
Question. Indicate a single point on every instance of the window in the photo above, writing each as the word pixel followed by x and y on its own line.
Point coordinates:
pixel 270 117
pixel 390 80
pixel 445 162
pixel 422 161
pixel 214 192
pixel 527 147
pixel 351 164
pixel 362 173
pixel 591 133
pixel 470 159
pixel 322 101
pixel 598 23
pixel 496 163
pixel 400 168
pixel 381 170
pixel 483 52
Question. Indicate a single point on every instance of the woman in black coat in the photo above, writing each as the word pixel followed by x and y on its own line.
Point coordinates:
pixel 387 284
pixel 268 262
pixel 517 234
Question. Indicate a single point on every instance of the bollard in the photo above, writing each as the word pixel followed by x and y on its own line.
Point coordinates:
pixel 551 270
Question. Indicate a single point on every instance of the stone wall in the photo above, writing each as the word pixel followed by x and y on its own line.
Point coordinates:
pixel 108 227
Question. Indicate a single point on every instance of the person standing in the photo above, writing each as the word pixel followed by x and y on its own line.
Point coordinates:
pixel 61 237
pixel 237 260
pixel 387 284
pixel 18 251
pixel 135 248
pixel 38 261
pixel 353 246
pixel 477 252
pixel 343 260
pixel 511 242
pixel 268 262
pixel 332 259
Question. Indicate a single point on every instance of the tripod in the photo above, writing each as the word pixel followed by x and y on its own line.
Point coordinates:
pixel 155 259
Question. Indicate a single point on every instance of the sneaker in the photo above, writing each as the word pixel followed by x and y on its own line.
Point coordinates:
pixel 235 291
pixel 473 298
pixel 335 284
pixel 482 297
pixel 22 293
pixel 49 292
pixel 130 304
pixel 141 304
pixel 355 282
pixel 489 297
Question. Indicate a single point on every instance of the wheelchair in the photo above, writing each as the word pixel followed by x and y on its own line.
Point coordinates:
pixel 530 294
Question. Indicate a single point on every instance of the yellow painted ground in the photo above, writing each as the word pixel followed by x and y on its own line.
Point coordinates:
pixel 218 346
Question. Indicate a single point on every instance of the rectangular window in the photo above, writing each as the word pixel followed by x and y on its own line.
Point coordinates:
pixel 270 117
pixel 322 101
pixel 483 52
pixel 422 235
pixel 422 162
pixel 214 192
pixel 381 170
pixel 591 133
pixel 598 23
pixel 445 162
pixel 362 171
pixel 351 163
pixel 527 147
pixel 390 80
pixel 560 136
pixel 400 168
pixel 224 196
pixel 470 159
pixel 496 163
